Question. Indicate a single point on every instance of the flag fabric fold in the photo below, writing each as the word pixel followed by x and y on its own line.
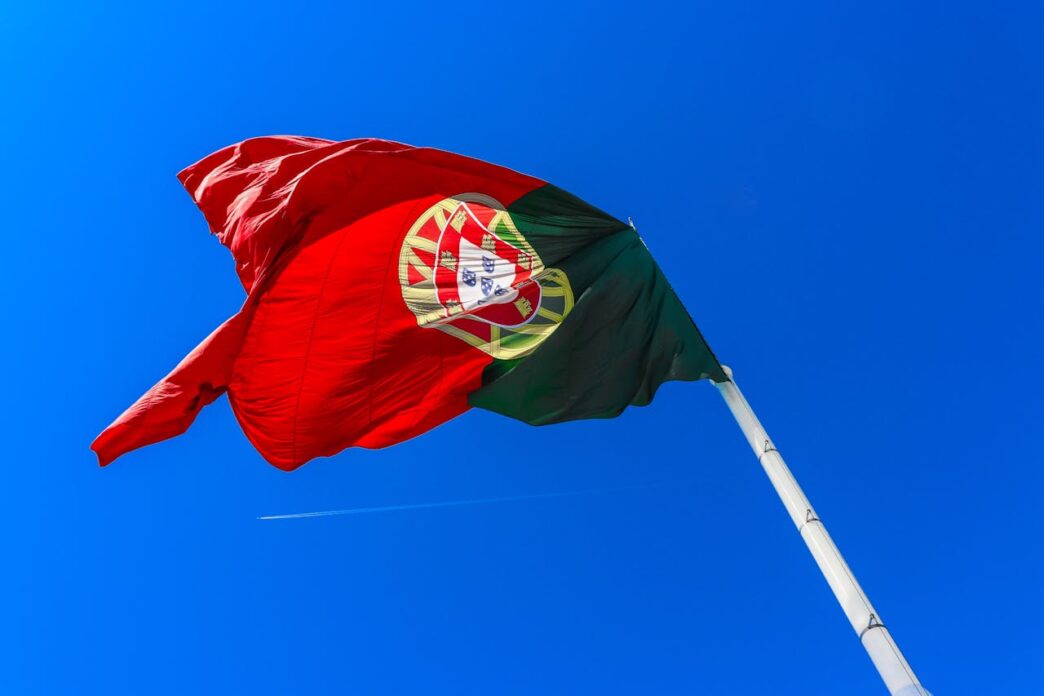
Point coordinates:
pixel 391 288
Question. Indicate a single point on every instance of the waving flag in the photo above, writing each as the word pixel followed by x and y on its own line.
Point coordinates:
pixel 390 288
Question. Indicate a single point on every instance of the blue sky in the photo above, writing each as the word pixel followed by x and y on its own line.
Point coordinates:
pixel 849 201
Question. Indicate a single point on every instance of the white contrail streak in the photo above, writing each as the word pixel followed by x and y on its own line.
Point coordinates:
pixel 457 503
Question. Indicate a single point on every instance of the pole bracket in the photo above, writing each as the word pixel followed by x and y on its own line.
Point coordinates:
pixel 872 623
pixel 810 517
pixel 766 448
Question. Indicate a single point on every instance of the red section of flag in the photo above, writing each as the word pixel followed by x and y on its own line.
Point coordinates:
pixel 324 354
pixel 169 408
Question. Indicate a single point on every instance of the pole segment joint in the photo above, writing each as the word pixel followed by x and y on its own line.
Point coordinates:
pixel 872 623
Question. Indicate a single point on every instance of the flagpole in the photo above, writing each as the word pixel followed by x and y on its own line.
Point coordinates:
pixel 885 654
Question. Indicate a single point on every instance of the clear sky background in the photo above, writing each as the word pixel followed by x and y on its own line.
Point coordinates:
pixel 848 200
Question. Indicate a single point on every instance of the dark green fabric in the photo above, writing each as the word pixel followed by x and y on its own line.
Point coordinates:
pixel 558 224
pixel 626 334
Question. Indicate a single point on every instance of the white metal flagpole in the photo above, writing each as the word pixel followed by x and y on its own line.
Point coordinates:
pixel 885 654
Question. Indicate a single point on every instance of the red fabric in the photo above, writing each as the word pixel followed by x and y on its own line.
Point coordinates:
pixel 324 354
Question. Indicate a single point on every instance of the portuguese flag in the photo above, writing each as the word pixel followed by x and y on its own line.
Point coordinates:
pixel 391 288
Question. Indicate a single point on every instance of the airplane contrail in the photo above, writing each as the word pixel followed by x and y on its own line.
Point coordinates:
pixel 472 501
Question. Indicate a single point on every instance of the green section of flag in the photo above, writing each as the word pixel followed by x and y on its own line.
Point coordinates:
pixel 627 332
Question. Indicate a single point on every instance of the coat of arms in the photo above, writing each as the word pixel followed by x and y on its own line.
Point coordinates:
pixel 465 268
